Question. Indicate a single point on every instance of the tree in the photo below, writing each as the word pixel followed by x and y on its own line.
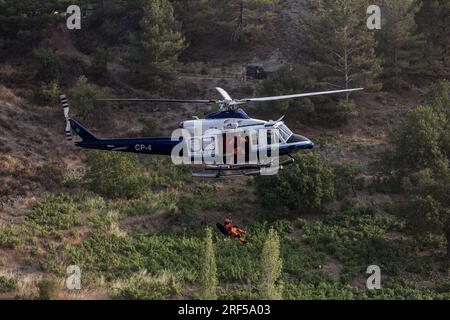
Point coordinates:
pixel 428 214
pixel 401 46
pixel 422 141
pixel 23 24
pixel 417 142
pixel 208 276
pixel 307 185
pixel 433 20
pixel 271 266
pixel 421 155
pixel 243 17
pixel 195 16
pixel 155 49
pixel 340 46
pixel 286 81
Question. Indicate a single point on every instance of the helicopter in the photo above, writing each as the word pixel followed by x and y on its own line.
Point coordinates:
pixel 226 143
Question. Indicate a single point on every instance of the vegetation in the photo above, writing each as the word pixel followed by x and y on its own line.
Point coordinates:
pixel 401 45
pixel 271 266
pixel 244 17
pixel 7 284
pixel 48 288
pixel 343 52
pixel 83 95
pixel 99 67
pixel 425 166
pixel 115 175
pixel 156 48
pixel 437 42
pixel 144 287
pixel 307 185
pixel 208 276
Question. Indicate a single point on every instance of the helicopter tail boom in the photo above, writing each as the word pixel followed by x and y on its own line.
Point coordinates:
pixel 82 132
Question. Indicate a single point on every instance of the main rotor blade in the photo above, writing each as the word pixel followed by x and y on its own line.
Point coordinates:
pixel 224 94
pixel 161 100
pixel 295 96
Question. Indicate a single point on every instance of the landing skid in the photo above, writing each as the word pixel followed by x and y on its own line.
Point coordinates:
pixel 222 171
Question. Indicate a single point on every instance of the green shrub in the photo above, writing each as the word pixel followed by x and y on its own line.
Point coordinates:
pixel 347 174
pixel 82 96
pixel 144 287
pixel 7 284
pixel 116 175
pixel 47 93
pixel 386 185
pixel 10 237
pixel 53 214
pixel 48 288
pixel 151 129
pixel 307 185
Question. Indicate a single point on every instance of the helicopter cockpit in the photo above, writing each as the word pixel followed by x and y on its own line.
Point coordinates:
pixel 285 132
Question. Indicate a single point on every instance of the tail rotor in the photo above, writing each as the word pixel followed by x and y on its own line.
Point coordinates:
pixel 65 105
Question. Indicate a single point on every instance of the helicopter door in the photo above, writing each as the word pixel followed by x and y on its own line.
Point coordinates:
pixel 200 147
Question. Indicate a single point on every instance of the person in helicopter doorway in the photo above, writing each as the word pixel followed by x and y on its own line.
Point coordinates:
pixel 229 230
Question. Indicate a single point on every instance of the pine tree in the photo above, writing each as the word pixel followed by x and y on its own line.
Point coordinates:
pixel 271 267
pixel 244 17
pixel 433 20
pixel 341 47
pixel 195 16
pixel 208 276
pixel 157 47
pixel 401 46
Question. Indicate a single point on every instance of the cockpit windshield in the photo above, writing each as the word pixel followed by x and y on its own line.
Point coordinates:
pixel 285 132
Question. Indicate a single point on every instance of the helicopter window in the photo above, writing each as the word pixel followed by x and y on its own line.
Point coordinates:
pixel 285 132
pixel 209 143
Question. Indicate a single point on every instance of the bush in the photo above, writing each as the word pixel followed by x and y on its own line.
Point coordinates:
pixel 7 284
pixel 307 185
pixel 47 93
pixel 82 96
pixel 53 214
pixel 48 288
pixel 347 174
pixel 151 129
pixel 144 287
pixel 115 175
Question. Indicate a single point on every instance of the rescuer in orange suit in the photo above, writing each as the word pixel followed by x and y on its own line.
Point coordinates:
pixel 229 230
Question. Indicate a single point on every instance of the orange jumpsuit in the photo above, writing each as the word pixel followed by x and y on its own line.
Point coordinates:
pixel 234 231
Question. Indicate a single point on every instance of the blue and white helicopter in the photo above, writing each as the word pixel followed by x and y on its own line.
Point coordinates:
pixel 230 120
